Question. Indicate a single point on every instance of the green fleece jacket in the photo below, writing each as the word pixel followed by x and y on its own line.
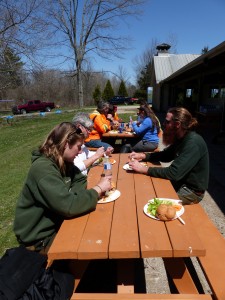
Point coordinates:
pixel 47 198
pixel 190 163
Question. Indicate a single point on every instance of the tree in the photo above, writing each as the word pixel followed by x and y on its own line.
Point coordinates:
pixel 89 27
pixel 122 89
pixel 205 50
pixel 108 92
pixel 10 67
pixel 97 93
pixel 144 65
pixel 21 32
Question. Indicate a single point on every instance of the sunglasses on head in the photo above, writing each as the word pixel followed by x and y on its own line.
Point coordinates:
pixel 87 128
pixel 76 131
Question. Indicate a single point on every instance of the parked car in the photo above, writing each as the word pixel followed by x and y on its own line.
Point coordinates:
pixel 123 100
pixel 32 105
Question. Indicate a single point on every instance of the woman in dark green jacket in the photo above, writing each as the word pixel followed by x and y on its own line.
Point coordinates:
pixel 55 189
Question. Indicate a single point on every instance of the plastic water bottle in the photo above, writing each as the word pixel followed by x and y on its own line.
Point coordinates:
pixel 107 170
pixel 130 123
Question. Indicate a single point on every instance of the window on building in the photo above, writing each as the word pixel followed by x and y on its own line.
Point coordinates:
pixel 214 93
pixel 222 92
pixel 188 93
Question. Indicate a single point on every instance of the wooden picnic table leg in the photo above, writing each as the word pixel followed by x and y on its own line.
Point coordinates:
pixel 125 276
pixel 180 275
pixel 77 268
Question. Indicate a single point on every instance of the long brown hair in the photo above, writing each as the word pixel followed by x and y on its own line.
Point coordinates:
pixel 54 144
pixel 182 115
pixel 149 113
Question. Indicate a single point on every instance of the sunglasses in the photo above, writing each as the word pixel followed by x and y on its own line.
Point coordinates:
pixel 87 128
pixel 167 121
pixel 76 131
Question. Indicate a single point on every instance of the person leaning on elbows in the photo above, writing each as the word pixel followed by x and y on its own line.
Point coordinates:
pixel 54 189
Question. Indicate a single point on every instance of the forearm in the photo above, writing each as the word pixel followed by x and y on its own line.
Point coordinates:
pixel 89 161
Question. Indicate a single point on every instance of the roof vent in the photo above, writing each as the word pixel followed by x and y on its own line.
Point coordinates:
pixel 163 48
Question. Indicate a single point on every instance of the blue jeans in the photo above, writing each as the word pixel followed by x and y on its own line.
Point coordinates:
pixel 188 196
pixel 144 146
pixel 97 144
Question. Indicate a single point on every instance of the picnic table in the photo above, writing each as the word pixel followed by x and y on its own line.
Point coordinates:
pixel 117 139
pixel 121 231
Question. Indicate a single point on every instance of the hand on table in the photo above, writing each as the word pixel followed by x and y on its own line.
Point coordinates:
pixel 138 167
pixel 137 156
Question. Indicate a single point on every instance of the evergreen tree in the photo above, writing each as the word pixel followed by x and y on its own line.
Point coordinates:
pixel 108 92
pixel 144 81
pixel 205 50
pixel 10 67
pixel 97 94
pixel 122 89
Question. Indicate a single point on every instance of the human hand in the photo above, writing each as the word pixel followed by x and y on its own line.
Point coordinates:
pixel 137 156
pixel 138 167
pixel 110 117
pixel 105 183
pixel 109 151
pixel 100 152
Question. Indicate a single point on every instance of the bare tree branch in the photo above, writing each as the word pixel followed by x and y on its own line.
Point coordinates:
pixel 89 26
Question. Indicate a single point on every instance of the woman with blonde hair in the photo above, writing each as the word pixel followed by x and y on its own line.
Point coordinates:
pixel 54 189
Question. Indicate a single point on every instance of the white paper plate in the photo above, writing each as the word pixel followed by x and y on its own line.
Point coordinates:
pixel 178 214
pixel 110 198
pixel 111 160
pixel 127 167
pixel 113 131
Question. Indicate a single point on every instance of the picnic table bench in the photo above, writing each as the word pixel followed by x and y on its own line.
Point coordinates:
pixel 120 230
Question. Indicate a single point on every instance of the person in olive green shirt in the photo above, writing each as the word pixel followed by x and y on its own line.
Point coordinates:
pixel 187 150
pixel 54 189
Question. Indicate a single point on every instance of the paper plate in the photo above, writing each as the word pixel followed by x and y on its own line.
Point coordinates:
pixel 177 202
pixel 127 167
pixel 113 131
pixel 111 160
pixel 110 198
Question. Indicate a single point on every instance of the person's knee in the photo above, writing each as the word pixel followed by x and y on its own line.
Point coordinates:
pixel 125 149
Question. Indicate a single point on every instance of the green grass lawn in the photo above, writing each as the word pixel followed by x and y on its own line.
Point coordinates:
pixel 17 140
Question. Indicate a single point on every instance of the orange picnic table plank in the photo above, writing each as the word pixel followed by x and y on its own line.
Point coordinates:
pixel 184 240
pixel 124 241
pixel 95 239
pixel 154 240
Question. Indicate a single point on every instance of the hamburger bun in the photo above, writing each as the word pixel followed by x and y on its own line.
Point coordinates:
pixel 165 212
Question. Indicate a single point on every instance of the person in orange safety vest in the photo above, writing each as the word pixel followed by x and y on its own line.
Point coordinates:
pixel 101 120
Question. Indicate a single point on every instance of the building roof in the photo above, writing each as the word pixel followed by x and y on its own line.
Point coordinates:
pixel 165 64
pixel 216 53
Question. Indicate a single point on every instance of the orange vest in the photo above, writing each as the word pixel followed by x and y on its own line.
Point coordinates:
pixel 101 125
pixel 116 117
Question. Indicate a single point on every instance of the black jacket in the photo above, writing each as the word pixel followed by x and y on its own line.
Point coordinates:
pixel 23 276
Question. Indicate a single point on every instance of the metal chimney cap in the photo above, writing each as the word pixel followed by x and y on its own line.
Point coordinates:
pixel 163 47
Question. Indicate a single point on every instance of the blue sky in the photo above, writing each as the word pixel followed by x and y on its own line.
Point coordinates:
pixel 194 23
